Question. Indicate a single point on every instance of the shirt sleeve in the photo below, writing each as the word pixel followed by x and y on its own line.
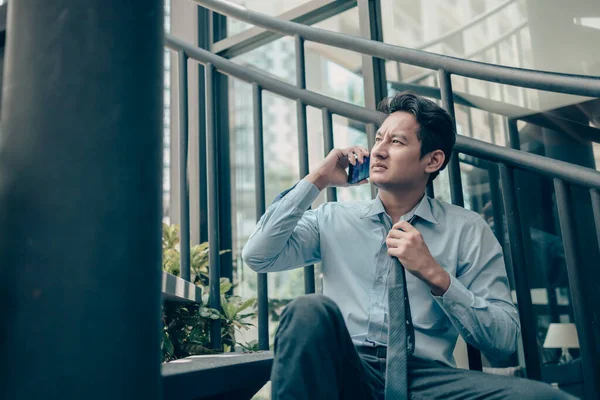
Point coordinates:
pixel 478 301
pixel 287 235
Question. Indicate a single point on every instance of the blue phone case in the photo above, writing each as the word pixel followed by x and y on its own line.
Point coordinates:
pixel 359 172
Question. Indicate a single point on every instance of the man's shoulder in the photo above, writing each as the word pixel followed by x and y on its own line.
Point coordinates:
pixel 447 213
pixel 345 208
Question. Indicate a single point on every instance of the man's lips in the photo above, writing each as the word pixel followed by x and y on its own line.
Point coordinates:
pixel 378 166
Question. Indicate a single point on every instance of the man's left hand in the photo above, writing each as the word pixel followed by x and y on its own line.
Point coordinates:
pixel 405 242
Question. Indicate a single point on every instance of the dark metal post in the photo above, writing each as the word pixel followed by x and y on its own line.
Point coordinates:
pixel 184 190
pixel 373 68
pixel 328 146
pixel 429 190
pixel 454 165
pixel 515 238
pixel 309 271
pixel 595 195
pixel 500 87
pixel 259 179
pixel 80 221
pixel 456 193
pixel 220 116
pixel 521 64
pixel 212 164
pixel 204 24
pixel 584 319
pixel 469 110
pixel 513 134
pixel 371 132
pixel 490 116
pixel 496 197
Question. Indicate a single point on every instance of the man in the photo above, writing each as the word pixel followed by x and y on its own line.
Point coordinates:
pixel 334 346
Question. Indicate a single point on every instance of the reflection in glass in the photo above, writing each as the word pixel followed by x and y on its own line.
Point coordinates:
pixel 272 8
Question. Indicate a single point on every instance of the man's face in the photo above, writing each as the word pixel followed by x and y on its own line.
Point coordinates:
pixel 396 161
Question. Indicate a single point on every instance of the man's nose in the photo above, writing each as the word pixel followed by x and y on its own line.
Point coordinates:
pixel 379 151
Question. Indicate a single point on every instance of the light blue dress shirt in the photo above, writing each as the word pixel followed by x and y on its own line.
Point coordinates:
pixel 349 240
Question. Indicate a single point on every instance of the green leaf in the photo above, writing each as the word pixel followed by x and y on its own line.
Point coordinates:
pixel 246 304
pixel 229 309
pixel 225 285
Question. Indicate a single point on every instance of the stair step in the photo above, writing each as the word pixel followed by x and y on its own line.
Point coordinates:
pixel 177 289
pixel 225 376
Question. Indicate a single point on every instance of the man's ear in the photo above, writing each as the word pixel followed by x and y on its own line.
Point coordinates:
pixel 436 161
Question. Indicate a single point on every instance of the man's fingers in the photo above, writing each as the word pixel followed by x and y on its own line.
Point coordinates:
pixel 405 226
pixel 355 153
pixel 396 234
pixel 352 159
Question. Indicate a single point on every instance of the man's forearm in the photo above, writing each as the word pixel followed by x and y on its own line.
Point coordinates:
pixel 318 180
pixel 490 325
pixel 286 235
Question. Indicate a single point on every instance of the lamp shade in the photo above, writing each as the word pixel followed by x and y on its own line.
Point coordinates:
pixel 562 336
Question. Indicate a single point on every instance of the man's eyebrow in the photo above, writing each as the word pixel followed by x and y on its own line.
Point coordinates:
pixel 400 135
pixel 394 135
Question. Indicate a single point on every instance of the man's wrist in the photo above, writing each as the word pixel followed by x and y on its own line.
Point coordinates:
pixel 437 279
pixel 318 180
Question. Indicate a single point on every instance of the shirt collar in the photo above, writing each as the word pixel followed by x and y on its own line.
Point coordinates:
pixel 422 210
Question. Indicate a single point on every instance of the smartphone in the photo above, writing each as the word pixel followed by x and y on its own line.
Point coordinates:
pixel 358 172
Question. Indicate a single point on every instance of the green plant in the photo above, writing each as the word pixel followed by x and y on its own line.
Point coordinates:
pixel 186 327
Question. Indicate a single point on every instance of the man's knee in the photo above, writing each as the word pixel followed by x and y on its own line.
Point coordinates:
pixel 311 314
pixel 311 307
pixel 524 389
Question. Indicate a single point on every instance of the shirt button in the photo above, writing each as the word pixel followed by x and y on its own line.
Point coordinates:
pixel 377 304
pixel 380 279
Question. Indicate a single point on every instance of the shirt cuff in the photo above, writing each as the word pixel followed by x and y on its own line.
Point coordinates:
pixel 457 297
pixel 301 195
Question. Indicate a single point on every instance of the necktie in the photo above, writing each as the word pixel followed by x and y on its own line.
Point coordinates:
pixel 401 335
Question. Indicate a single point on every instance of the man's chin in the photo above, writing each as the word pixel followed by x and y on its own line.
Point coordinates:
pixel 378 182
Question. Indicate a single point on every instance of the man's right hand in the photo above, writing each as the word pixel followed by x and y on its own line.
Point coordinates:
pixel 332 171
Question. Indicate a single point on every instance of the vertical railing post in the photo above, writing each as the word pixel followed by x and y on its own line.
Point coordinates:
pixel 456 192
pixel 521 64
pixel 259 180
pixel 469 109
pixel 373 68
pixel 595 196
pixel 204 25
pixel 513 134
pixel 213 207
pixel 517 251
pixel 309 271
pixel 490 116
pixel 446 94
pixel 328 146
pixel 80 195
pixel 429 190
pixel 498 61
pixel 184 190
pixel 584 319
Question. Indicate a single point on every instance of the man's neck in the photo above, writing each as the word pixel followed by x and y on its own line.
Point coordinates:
pixel 398 204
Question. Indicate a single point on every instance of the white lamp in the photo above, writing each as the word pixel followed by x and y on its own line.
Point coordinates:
pixel 562 336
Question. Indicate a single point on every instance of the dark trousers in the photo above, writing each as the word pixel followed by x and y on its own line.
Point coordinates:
pixel 316 359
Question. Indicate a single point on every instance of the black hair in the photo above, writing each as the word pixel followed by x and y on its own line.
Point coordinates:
pixel 437 129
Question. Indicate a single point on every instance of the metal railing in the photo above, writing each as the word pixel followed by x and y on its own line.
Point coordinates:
pixel 507 160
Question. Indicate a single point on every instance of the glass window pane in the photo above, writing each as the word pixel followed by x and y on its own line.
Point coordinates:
pixel 524 34
pixel 277 58
pixel 336 72
pixel 272 8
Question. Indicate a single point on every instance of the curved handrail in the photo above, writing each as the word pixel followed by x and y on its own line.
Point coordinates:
pixel 476 53
pixel 574 174
pixel 542 80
